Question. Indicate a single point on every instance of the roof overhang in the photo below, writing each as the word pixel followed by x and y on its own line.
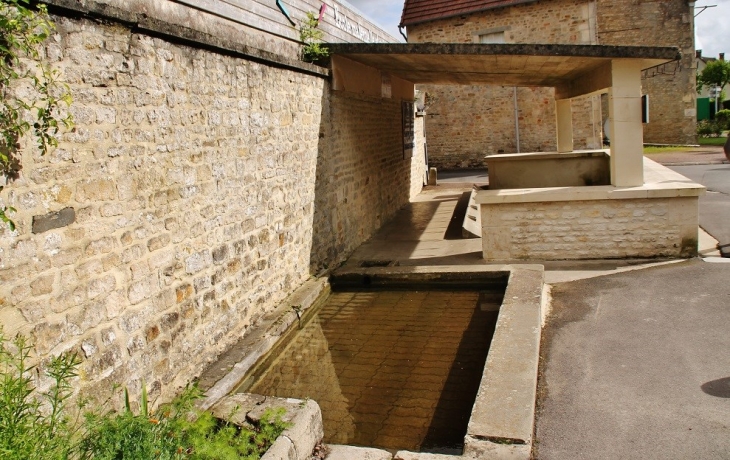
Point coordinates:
pixel 557 66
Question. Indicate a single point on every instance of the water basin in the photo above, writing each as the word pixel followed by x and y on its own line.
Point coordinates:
pixel 394 369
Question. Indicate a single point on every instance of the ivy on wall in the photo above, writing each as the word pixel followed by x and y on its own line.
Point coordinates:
pixel 23 29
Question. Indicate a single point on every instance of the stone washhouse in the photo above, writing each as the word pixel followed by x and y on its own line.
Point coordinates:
pixel 469 122
pixel 600 204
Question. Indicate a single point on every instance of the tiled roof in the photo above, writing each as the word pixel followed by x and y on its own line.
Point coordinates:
pixel 417 11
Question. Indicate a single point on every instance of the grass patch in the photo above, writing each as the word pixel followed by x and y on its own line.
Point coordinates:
pixel 670 148
pixel 712 140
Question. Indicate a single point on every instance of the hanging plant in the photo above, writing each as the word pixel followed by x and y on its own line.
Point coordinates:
pixel 23 29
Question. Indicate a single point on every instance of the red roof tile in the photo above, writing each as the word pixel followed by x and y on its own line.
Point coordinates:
pixel 417 11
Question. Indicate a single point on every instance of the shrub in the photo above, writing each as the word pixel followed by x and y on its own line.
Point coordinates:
pixel 176 431
pixel 723 118
pixel 35 424
pixel 38 425
pixel 709 128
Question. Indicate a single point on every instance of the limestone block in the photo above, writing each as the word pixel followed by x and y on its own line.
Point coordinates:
pixel 282 449
pixel 341 452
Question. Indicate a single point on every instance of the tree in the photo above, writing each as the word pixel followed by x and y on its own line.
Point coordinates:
pixel 715 74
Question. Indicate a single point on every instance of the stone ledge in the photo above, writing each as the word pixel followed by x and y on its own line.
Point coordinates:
pixel 659 182
pixel 504 410
pixel 143 23
pixel 340 452
pixel 227 373
pixel 547 155
pixel 296 442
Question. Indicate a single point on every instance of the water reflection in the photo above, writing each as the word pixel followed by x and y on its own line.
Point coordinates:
pixel 395 370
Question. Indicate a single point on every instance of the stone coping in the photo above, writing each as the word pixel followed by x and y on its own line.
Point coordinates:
pixel 659 182
pixel 142 22
pixel 547 155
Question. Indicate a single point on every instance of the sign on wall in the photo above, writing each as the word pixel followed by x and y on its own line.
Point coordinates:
pixel 409 131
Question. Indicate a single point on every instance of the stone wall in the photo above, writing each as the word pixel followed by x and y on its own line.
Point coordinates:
pixel 461 131
pixel 673 95
pixel 596 229
pixel 470 122
pixel 361 161
pixel 181 206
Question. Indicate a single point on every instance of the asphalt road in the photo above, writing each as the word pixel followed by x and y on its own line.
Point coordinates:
pixel 715 205
pixel 636 366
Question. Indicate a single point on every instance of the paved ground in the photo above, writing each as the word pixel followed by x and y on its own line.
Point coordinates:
pixel 636 366
pixel 715 205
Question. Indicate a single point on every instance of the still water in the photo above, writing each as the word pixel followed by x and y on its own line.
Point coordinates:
pixel 390 369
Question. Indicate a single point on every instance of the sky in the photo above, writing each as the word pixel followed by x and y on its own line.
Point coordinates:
pixel 385 13
pixel 712 34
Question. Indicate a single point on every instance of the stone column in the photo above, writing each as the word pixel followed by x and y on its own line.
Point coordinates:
pixel 564 115
pixel 624 113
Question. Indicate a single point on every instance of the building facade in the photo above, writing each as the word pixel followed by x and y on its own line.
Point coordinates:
pixel 467 123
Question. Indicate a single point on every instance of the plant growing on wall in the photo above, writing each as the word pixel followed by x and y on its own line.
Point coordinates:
pixel 311 37
pixel 22 31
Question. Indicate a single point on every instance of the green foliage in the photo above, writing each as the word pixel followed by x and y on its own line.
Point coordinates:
pixel 22 31
pixel 35 424
pixel 716 73
pixel 176 431
pixel 723 118
pixel 709 128
pixel 311 36
pixel 211 439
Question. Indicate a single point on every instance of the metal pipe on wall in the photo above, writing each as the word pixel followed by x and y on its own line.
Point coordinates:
pixel 517 122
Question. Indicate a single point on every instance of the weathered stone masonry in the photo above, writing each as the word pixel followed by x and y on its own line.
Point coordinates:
pixel 191 176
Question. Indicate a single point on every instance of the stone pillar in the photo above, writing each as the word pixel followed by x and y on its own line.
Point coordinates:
pixel 564 115
pixel 624 113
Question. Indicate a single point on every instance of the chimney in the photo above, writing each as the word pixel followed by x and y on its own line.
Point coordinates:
pixel 698 54
pixel 722 56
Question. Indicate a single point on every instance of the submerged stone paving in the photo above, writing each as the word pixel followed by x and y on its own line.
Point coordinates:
pixel 396 370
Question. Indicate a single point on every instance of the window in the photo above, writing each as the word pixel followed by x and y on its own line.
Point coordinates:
pixel 493 37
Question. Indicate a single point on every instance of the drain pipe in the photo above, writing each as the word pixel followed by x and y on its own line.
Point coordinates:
pixel 517 121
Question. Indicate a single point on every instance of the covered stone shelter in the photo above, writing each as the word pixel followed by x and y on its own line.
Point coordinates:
pixel 641 209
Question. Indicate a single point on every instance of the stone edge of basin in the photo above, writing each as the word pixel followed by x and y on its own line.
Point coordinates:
pixel 503 416
pixel 304 417
pixel 445 275
pixel 221 378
